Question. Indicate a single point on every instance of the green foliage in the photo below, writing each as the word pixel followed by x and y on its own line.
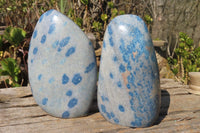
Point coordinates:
pixel 11 69
pixel 148 19
pixel 14 35
pixel 187 58
pixel 111 4
pixel 97 26
pixel 63 4
pixel 85 2
pixel 104 17
pixel 79 21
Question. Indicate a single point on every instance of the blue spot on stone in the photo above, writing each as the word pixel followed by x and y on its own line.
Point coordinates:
pixel 76 79
pixel 73 102
pixel 111 75
pixel 40 77
pixel 51 80
pixel 44 101
pixel 110 32
pixel 122 46
pixel 65 79
pixel 131 94
pixel 102 98
pixel 90 67
pixel 115 59
pixel 111 41
pixel 103 108
pixel 66 114
pixel 48 12
pixel 70 51
pixel 31 60
pixel 131 101
pixel 108 115
pixel 55 44
pixel 59 49
pixel 112 114
pixel 122 68
pixel 119 84
pixel 34 34
pixel 129 68
pixel 116 120
pixel 69 93
pixel 64 41
pixel 52 28
pixel 104 44
pixel 90 43
pixel 125 58
pixel 35 50
pixel 41 18
pixel 121 108
pixel 128 86
pixel 43 39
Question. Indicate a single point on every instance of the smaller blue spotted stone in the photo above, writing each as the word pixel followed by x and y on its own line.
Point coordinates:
pixel 65 79
pixel 43 39
pixel 121 108
pixel 69 93
pixel 66 114
pixel 44 101
pixel 73 102
pixel 62 66
pixel 76 79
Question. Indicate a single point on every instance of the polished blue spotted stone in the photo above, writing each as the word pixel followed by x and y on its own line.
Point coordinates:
pixel 62 66
pixel 128 86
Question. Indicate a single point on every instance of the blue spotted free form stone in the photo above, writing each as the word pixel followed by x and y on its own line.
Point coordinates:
pixel 62 66
pixel 128 86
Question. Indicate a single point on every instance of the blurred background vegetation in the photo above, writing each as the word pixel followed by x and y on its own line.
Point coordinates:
pixel 19 17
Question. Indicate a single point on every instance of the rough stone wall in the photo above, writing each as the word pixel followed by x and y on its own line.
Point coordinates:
pixel 174 16
pixel 169 18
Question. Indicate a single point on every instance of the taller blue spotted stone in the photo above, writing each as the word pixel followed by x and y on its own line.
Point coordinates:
pixel 129 76
pixel 62 66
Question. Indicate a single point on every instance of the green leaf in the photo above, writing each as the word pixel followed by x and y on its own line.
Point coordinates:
pixel 111 4
pixel 79 21
pixel 85 2
pixel 122 12
pixel 104 17
pixel 14 35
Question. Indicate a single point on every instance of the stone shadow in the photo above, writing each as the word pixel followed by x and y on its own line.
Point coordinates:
pixel 165 102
